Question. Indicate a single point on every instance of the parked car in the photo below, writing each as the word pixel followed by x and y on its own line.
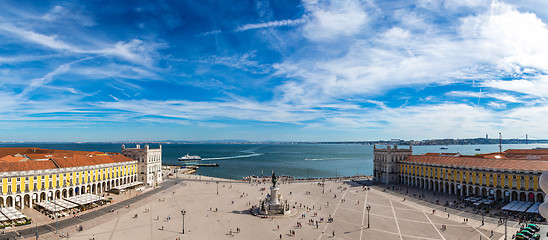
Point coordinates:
pixel 534 227
pixel 520 236
pixel 535 237
pixel 526 233
pixel 530 229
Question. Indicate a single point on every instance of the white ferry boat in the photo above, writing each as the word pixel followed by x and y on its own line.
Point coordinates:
pixel 190 158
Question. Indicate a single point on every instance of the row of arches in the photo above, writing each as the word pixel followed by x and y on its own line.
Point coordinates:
pixel 466 190
pixel 21 201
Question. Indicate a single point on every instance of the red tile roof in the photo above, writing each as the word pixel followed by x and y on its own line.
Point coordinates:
pixel 63 159
pixel 26 166
pixel 11 158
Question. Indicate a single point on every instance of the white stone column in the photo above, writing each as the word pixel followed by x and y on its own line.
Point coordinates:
pixel 274 195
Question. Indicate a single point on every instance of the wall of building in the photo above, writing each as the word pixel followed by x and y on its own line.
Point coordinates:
pixel 385 163
pixel 499 184
pixel 25 188
pixel 149 163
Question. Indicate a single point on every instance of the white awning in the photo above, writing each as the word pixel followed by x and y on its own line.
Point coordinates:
pixel 64 203
pixel 84 199
pixel 12 214
pixel 50 206
pixel 128 185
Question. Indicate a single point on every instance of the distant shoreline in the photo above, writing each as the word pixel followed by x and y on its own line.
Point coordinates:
pixel 431 142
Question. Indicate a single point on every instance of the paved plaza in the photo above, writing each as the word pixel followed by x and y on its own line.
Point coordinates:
pixel 212 216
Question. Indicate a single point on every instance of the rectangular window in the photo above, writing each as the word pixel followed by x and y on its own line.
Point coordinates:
pixel 35 187
pixel 18 188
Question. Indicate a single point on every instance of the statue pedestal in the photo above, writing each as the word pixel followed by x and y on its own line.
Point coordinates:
pixel 274 204
pixel 274 195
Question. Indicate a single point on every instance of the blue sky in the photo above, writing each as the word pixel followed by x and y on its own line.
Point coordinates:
pixel 272 70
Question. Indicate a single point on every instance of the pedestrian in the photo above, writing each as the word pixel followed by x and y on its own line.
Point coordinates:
pixel 280 236
pixel 333 233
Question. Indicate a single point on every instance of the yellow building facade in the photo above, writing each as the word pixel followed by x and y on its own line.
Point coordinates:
pixel 498 176
pixel 29 180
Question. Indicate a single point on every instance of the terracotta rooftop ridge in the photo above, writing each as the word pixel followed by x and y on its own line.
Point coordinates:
pixel 39 159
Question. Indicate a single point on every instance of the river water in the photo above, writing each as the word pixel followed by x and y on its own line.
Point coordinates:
pixel 298 160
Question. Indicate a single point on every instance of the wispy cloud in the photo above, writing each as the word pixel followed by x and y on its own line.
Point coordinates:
pixel 135 51
pixel 272 24
pixel 499 96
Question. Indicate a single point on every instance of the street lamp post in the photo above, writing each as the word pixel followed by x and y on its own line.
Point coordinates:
pixel 505 225
pixel 323 185
pixel 217 187
pixel 183 212
pixel 368 208
pixel 36 228
pixel 56 215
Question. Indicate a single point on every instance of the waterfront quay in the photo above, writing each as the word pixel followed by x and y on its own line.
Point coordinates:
pixel 217 208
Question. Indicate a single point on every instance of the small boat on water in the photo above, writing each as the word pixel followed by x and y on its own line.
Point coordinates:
pixel 444 148
pixel 190 158
pixel 477 149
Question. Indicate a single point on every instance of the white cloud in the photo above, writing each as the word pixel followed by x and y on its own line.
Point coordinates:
pixel 60 13
pixel 497 41
pixel 334 19
pixel 496 105
pixel 280 23
pixel 537 86
pixel 135 51
pixel 508 38
pixel 45 40
pixel 499 96
pixel 240 109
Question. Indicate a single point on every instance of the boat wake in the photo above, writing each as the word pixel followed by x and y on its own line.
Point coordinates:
pixel 322 159
pixel 233 157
